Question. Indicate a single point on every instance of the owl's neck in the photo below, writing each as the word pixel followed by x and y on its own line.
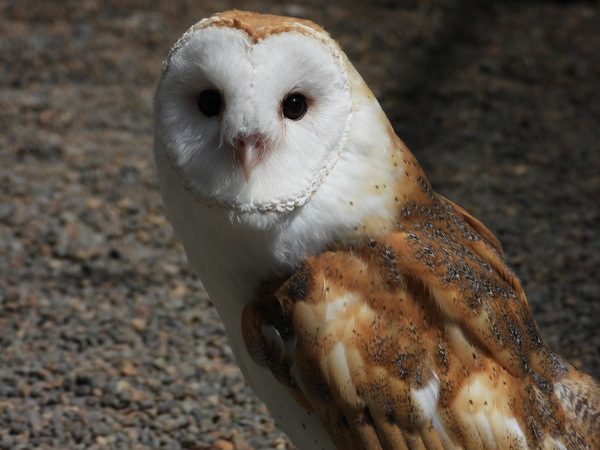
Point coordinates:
pixel 233 253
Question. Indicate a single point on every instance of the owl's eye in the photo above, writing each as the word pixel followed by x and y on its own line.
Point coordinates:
pixel 209 102
pixel 294 106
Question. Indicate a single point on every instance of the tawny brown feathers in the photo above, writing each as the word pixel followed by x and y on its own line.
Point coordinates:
pixel 421 338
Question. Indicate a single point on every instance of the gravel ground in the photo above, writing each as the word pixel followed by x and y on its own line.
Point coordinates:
pixel 107 340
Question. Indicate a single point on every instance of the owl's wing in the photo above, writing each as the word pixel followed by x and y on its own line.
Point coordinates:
pixel 420 339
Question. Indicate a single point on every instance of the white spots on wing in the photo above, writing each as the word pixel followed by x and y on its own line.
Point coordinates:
pixel 477 394
pixel 337 371
pixel 441 430
pixel 484 428
pixel 336 362
pixel 514 429
pixel 426 398
pixel 459 341
pixel 481 410
pixel 343 316
pixel 337 309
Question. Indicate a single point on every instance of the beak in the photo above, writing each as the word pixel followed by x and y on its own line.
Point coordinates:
pixel 249 151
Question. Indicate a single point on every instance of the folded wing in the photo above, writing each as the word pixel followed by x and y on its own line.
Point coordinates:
pixel 421 338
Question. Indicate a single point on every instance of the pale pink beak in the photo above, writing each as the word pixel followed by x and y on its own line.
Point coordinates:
pixel 249 151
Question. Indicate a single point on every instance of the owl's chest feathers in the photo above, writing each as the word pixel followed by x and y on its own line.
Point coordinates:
pixel 233 255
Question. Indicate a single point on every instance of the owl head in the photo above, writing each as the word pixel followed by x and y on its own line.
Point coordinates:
pixel 253 111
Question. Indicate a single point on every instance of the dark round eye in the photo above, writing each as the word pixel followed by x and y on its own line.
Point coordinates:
pixel 294 106
pixel 209 102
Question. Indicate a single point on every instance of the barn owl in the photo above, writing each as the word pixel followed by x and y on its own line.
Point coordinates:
pixel 366 310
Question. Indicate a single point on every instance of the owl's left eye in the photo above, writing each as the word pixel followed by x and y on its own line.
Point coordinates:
pixel 294 106
pixel 209 102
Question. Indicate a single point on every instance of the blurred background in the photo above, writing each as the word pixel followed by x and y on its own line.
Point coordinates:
pixel 108 341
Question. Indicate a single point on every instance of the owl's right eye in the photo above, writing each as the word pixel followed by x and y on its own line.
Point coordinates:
pixel 294 106
pixel 209 102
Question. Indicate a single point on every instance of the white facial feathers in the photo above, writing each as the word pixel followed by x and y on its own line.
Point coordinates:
pixel 253 78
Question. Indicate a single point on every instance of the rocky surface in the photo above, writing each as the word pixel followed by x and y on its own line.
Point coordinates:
pixel 108 341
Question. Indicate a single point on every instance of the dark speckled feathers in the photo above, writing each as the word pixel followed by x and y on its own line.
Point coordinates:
pixel 421 337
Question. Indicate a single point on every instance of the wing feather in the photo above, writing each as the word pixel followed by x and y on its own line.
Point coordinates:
pixel 421 338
